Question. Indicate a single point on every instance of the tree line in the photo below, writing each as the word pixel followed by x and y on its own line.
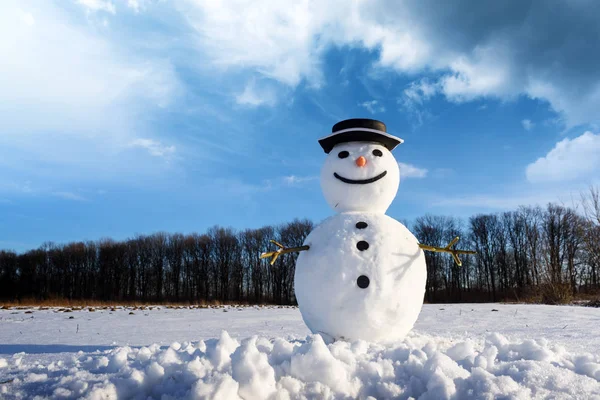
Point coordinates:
pixel 552 252
pixel 220 265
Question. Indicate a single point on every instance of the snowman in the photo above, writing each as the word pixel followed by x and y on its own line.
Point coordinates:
pixel 360 274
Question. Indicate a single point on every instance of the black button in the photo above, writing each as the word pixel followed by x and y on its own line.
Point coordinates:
pixel 361 225
pixel 362 245
pixel 363 282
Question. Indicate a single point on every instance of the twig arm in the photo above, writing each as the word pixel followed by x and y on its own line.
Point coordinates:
pixel 448 249
pixel 282 250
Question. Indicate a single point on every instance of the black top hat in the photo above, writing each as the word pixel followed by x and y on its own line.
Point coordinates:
pixel 359 130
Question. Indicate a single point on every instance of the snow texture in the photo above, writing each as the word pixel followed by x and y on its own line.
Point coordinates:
pixel 450 354
pixel 373 197
pixel 326 278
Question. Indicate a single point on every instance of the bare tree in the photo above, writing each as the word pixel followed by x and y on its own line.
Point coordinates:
pixel 591 235
pixel 517 251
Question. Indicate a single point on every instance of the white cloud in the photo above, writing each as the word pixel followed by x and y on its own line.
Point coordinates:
pixel 419 91
pixel 71 97
pixel 479 51
pixel 293 180
pixel 570 159
pixel 98 5
pixel 480 74
pixel 37 189
pixel 135 5
pixel 27 18
pixel 414 97
pixel 7 185
pixel 505 201
pixel 69 196
pixel 68 78
pixel 411 171
pixel 255 95
pixel 155 148
pixel 372 106
pixel 275 39
pixel 527 124
pixel 514 195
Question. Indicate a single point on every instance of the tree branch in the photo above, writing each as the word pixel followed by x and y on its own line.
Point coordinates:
pixel 449 250
pixel 282 250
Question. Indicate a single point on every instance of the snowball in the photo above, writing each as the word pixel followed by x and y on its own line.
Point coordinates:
pixel 388 390
pixel 314 363
pixel 18 359
pixel 482 381
pixel 78 386
pixel 291 385
pixel 221 352
pixel 169 357
pixel 326 278
pixel 282 350
pixel 219 387
pixel 586 366
pixel 62 392
pixel 98 363
pixel 197 368
pixel 103 391
pixel 137 377
pixel 154 372
pixel 251 369
pixel 118 359
pixel 33 377
pixel 487 358
pixel 460 351
pixel 144 354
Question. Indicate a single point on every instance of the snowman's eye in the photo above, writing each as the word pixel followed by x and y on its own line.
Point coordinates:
pixel 343 154
pixel 377 153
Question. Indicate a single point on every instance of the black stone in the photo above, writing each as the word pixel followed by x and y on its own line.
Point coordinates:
pixel 363 282
pixel 362 245
pixel 377 153
pixel 343 154
pixel 361 225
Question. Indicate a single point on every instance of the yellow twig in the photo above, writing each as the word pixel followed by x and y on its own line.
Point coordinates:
pixel 282 250
pixel 448 249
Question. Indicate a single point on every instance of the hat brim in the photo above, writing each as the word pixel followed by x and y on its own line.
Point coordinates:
pixel 359 135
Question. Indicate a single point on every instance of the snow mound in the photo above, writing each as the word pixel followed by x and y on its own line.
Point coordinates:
pixel 421 366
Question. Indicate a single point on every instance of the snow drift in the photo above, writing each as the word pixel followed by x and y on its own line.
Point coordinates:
pixel 261 368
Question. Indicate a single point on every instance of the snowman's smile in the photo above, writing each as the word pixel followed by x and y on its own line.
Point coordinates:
pixel 360 181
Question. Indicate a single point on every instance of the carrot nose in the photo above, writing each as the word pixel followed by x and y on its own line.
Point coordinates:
pixel 361 161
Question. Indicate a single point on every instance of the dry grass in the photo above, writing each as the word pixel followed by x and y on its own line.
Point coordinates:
pixel 557 293
pixel 97 304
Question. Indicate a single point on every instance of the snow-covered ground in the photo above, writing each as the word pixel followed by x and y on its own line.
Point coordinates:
pixel 455 351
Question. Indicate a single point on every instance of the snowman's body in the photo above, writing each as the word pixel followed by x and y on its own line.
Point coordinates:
pixel 326 278
pixel 363 276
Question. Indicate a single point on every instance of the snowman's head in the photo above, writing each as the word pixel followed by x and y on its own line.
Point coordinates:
pixel 360 176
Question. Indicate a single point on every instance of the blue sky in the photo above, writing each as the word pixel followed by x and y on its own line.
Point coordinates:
pixel 125 117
